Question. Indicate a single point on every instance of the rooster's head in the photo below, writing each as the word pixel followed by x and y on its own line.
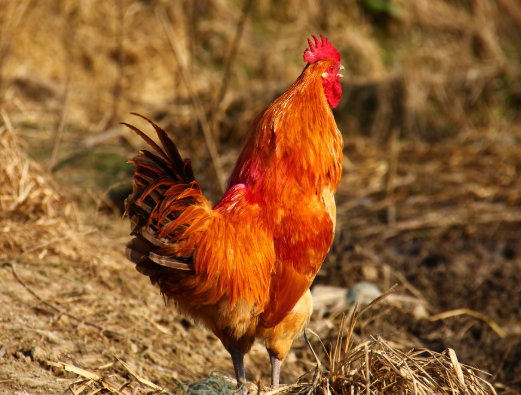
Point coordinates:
pixel 328 58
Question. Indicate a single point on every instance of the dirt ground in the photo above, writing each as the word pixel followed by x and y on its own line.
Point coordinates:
pixel 430 197
pixel 92 307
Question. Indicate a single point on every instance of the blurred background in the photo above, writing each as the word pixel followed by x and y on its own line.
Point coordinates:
pixel 430 196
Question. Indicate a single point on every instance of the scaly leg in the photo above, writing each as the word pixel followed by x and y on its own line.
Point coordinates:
pixel 238 365
pixel 275 370
pixel 279 338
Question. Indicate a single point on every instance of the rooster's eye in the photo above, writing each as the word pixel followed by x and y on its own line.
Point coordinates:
pixel 331 69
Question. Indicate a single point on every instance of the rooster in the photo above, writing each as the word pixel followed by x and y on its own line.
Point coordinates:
pixel 243 267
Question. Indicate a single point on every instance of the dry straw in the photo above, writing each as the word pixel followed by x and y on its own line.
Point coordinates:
pixel 35 217
pixel 375 367
pixel 449 71
pixel 371 367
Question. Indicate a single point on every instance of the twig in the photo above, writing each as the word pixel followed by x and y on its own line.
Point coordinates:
pixel 375 301
pixel 311 347
pixel 61 125
pixel 187 79
pixel 103 381
pixel 75 369
pixel 140 379
pixel 476 314
pixel 457 367
pixel 230 61
pixel 367 371
pixel 352 324
pixel 391 175
pixel 118 86
pixel 318 337
pixel 9 127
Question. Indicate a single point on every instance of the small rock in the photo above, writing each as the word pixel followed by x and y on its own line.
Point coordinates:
pixel 370 272
pixel 38 354
pixel 328 299
pixel 3 350
pixel 419 312
pixel 363 293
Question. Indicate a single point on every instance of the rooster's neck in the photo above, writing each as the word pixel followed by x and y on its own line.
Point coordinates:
pixel 294 143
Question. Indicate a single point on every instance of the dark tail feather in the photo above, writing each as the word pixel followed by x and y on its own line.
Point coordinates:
pixel 160 187
pixel 171 155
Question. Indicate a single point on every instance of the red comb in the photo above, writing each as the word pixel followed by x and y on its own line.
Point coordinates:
pixel 320 50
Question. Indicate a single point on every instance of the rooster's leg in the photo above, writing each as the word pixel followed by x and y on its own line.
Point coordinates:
pixel 238 365
pixel 275 370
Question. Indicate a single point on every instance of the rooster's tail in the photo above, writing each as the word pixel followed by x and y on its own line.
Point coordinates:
pixel 166 209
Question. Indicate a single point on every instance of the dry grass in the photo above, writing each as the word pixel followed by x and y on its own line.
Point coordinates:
pixel 376 367
pixel 373 366
pixel 476 182
pixel 35 217
pixel 430 124
pixel 432 58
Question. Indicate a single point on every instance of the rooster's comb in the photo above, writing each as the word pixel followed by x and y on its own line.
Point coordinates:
pixel 322 49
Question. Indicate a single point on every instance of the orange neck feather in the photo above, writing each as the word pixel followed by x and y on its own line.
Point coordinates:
pixel 294 143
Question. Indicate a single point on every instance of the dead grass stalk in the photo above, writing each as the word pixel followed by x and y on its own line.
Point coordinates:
pixel 376 367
